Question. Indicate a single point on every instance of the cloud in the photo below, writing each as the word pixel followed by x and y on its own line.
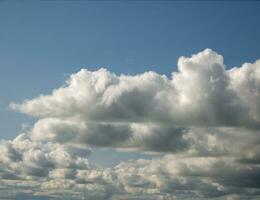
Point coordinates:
pixel 101 105
pixel 200 82
pixel 204 121
pixel 52 170
pixel 24 157
pixel 196 177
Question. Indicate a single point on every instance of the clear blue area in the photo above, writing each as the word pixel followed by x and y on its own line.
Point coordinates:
pixel 42 42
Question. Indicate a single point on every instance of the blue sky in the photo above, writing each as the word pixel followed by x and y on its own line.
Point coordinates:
pixel 43 42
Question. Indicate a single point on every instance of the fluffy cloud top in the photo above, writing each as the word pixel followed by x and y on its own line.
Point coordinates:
pixel 201 93
pixel 206 118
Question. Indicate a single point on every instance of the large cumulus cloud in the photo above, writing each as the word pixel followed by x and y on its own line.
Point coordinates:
pixel 204 121
pixel 101 106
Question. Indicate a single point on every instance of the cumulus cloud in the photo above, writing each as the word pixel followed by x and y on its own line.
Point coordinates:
pixel 204 121
pixel 201 92
pixel 97 106
pixel 24 157
pixel 51 170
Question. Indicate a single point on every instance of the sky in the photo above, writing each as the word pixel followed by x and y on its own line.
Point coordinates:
pixel 73 125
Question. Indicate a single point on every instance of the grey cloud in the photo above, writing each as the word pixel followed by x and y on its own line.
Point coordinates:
pixel 147 137
pixel 201 177
pixel 39 158
pixel 184 176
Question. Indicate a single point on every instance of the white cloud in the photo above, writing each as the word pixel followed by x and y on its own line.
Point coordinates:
pixel 205 118
pixel 97 106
